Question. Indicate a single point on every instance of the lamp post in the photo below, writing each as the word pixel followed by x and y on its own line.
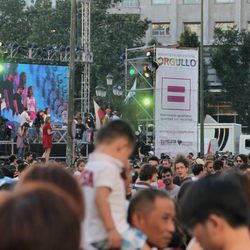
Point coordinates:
pixel 109 80
pixel 116 90
pixel 0 104
pixel 201 87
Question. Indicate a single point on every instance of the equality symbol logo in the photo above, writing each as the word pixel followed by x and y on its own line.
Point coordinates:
pixel 176 94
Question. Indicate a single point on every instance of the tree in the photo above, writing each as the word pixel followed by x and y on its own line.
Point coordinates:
pixel 14 25
pixel 49 26
pixel 189 39
pixel 230 56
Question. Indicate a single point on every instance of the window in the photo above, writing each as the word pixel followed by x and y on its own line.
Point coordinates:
pixel 161 1
pixel 193 27
pixel 129 3
pixel 160 29
pixel 224 1
pixel 225 25
pixel 191 1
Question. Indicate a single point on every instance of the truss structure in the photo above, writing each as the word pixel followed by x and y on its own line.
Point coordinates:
pixel 135 58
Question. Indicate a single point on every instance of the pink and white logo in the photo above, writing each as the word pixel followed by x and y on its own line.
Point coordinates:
pixel 176 94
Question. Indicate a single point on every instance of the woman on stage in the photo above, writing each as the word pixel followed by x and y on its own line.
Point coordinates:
pixel 47 138
pixel 31 103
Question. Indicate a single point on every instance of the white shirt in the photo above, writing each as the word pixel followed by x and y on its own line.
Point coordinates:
pixel 24 117
pixel 103 171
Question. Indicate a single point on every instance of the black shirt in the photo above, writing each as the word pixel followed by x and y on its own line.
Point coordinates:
pixel 80 128
pixel 18 99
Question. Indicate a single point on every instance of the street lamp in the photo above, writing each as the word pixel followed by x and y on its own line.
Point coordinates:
pixel 109 79
pixel 117 90
pixel 100 91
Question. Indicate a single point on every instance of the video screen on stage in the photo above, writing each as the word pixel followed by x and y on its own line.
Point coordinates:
pixel 35 87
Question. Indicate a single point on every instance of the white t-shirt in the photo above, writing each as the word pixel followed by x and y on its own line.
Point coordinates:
pixel 24 117
pixel 31 104
pixel 103 171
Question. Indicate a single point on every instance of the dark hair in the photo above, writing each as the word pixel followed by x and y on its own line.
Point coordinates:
pixel 166 170
pixel 243 167
pixel 153 158
pixel 182 159
pixel 59 176
pixel 116 129
pixel 28 92
pixel 214 195
pixel 218 165
pixel 21 167
pixel 144 200
pixel 7 171
pixel 12 158
pixel 27 155
pixel 37 217
pixel 243 158
pixel 79 162
pixel 46 110
pixel 147 172
pixel 197 169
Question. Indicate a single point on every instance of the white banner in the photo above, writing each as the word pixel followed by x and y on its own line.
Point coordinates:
pixel 176 102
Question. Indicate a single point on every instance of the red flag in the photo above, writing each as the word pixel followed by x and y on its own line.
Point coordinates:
pixel 98 115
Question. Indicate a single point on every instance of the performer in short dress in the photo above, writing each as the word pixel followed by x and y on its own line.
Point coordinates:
pixel 47 138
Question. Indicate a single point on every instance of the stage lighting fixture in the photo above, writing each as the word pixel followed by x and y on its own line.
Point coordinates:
pixel 147 101
pixel 1 68
pixel 132 72
pixel 146 70
pixel 149 54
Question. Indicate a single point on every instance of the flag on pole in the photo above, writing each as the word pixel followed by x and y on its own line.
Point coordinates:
pixel 98 115
pixel 131 92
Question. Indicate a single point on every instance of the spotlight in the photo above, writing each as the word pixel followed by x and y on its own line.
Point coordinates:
pixel 147 70
pixel 1 68
pixel 132 72
pixel 147 101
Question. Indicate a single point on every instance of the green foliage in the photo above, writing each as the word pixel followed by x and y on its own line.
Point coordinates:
pixel 231 60
pixel 49 25
pixel 189 39
pixel 14 25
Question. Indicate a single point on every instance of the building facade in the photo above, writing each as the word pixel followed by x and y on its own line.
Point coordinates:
pixel 31 2
pixel 171 17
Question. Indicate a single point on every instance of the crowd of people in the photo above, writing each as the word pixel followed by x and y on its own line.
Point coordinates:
pixel 111 201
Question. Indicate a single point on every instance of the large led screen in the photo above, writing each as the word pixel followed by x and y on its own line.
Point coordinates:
pixel 35 87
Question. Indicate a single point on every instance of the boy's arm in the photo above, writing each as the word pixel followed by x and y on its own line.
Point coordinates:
pixel 101 199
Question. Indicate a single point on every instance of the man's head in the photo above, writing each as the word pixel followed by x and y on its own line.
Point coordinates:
pixel 209 167
pixel 154 161
pixel 212 207
pixel 181 167
pixel 116 139
pixel 28 157
pixel 218 166
pixel 12 160
pixel 148 173
pixel 198 171
pixel 153 212
pixel 190 157
pixel 241 159
pixel 167 176
pixel 167 163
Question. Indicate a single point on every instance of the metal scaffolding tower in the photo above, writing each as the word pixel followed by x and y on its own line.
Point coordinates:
pixel 88 56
